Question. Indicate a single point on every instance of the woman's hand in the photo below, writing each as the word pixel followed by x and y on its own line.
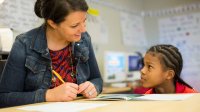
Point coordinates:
pixel 64 92
pixel 87 89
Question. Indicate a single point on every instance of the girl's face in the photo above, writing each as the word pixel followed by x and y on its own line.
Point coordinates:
pixel 72 27
pixel 152 74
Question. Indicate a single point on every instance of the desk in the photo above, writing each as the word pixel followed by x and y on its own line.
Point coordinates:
pixel 188 105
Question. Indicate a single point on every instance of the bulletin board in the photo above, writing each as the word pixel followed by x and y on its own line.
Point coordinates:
pixel 18 15
pixel 133 32
pixel 184 32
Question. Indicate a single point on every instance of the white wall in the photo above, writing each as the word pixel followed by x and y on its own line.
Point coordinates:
pixel 151 23
pixel 112 20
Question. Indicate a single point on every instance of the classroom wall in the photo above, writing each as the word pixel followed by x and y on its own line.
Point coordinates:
pixel 111 17
pixel 18 15
pixel 151 23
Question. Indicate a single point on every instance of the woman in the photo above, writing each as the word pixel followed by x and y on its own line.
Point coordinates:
pixel 62 45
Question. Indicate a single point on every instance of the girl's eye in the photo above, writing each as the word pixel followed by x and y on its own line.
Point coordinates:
pixel 150 67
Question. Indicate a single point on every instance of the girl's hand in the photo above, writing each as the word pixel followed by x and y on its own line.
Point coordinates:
pixel 87 89
pixel 64 92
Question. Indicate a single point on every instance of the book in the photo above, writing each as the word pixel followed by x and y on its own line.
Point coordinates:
pixel 116 97
pixel 141 97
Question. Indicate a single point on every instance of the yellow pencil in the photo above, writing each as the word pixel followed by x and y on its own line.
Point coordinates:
pixel 59 77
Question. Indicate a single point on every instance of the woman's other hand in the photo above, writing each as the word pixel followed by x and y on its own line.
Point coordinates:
pixel 87 89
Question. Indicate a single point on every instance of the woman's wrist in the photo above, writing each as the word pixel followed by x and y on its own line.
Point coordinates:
pixel 49 96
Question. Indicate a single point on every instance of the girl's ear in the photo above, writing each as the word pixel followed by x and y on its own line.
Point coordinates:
pixel 170 74
pixel 52 24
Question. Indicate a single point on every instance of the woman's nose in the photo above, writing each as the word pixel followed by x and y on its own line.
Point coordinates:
pixel 82 28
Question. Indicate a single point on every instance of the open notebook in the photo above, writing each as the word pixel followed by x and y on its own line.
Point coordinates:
pixel 115 97
pixel 147 97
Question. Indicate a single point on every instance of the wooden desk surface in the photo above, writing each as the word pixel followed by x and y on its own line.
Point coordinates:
pixel 188 105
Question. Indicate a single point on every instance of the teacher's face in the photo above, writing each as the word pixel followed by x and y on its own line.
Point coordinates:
pixel 72 27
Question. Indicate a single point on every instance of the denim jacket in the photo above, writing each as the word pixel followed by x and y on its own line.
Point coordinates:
pixel 27 73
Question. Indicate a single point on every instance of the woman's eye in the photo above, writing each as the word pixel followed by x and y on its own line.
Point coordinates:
pixel 74 26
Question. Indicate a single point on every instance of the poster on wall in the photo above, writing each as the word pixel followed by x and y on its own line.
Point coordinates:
pixel 184 32
pixel 133 32
pixel 18 15
pixel 97 29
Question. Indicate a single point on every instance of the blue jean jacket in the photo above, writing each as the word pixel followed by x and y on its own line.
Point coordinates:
pixel 27 73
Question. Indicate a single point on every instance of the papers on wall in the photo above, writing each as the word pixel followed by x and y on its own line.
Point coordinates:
pixel 63 107
pixel 97 29
pixel 183 32
pixel 133 32
pixel 6 39
pixel 18 15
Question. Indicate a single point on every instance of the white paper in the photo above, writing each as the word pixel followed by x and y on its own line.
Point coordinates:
pixel 6 39
pixel 63 107
pixel 164 97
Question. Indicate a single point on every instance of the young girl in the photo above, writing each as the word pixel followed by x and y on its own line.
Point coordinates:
pixel 162 69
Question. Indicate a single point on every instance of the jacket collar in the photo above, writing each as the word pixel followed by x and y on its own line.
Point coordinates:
pixel 39 42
